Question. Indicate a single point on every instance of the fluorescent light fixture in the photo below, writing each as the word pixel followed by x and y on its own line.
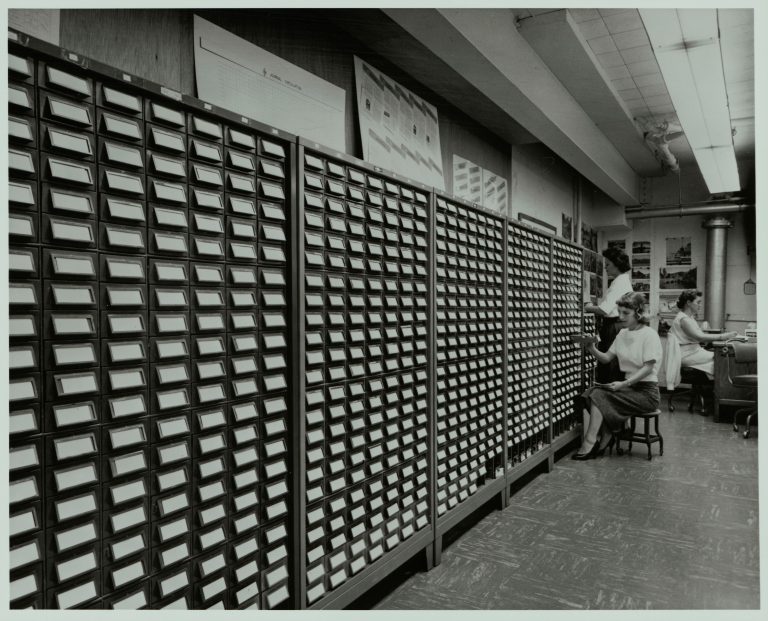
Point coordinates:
pixel 686 43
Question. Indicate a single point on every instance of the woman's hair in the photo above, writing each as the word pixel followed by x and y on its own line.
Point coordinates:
pixel 634 301
pixel 689 295
pixel 618 258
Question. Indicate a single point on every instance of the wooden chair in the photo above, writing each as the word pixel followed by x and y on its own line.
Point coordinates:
pixel 645 437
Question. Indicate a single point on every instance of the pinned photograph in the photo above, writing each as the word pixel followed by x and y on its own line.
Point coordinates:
pixel 641 273
pixel 677 277
pixel 641 260
pixel 641 247
pixel 678 250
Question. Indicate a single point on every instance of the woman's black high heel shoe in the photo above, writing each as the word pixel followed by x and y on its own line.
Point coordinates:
pixel 590 455
pixel 608 447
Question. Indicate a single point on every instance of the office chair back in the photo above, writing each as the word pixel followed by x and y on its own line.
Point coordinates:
pixel 744 352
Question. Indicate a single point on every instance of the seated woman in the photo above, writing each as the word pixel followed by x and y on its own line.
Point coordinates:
pixel 690 336
pixel 609 406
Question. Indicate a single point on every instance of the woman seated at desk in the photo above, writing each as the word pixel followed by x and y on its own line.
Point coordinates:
pixel 609 406
pixel 689 336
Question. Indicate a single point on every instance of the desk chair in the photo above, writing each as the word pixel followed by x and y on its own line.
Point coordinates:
pixel 677 374
pixel 744 353
pixel 697 380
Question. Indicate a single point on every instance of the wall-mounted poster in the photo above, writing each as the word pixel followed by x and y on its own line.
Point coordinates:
pixel 677 277
pixel 494 192
pixel 668 303
pixel 398 129
pixel 588 237
pixel 641 247
pixel 567 227
pixel 237 75
pixel 467 180
pixel 678 250
pixel 641 285
pixel 621 244
pixel 641 260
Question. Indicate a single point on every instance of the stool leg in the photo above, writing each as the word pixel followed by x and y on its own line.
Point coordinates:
pixel 632 436
pixel 646 429
pixel 661 440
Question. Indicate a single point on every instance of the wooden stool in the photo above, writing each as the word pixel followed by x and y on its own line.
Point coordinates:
pixel 646 437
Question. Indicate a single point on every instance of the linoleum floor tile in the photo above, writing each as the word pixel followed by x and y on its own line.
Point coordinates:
pixel 619 532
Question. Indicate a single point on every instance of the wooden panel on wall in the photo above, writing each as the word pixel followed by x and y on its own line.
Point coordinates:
pixel 146 43
pixel 158 45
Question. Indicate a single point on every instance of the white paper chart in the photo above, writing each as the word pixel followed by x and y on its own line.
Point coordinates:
pixel 244 78
pixel 467 180
pixel 399 130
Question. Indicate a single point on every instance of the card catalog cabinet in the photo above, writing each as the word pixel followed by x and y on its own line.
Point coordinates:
pixel 365 379
pixel 150 393
pixel 529 345
pixel 469 309
pixel 566 320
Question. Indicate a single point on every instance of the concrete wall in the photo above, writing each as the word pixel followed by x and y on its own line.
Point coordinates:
pixel 543 187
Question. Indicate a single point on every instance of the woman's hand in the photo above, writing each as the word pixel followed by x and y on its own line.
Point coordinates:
pixel 615 386
pixel 729 335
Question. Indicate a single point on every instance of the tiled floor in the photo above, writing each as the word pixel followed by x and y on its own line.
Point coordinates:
pixel 619 532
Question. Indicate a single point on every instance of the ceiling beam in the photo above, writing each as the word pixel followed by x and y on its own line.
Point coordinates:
pixel 556 39
pixel 484 47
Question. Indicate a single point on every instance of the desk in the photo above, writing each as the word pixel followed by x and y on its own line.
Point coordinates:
pixel 725 394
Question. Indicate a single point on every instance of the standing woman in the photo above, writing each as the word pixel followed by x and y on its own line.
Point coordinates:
pixel 617 266
pixel 637 348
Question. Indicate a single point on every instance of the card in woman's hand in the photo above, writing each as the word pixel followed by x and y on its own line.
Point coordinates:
pixel 583 339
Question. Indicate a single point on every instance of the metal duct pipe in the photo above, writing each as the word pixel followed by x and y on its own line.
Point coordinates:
pixel 714 281
pixel 694 209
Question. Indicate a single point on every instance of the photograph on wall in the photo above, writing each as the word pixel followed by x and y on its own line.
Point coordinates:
pixel 567 227
pixel 641 273
pixel 588 238
pixel 677 277
pixel 641 285
pixel 595 285
pixel 678 250
pixel 641 260
pixel 641 247
pixel 668 303
pixel 621 244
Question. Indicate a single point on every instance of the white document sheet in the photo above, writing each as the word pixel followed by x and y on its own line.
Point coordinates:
pixel 399 130
pixel 244 78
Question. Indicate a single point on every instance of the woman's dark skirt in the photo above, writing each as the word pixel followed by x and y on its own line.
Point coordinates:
pixel 616 407
pixel 607 329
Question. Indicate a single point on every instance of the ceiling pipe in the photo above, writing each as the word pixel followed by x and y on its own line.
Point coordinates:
pixel 692 209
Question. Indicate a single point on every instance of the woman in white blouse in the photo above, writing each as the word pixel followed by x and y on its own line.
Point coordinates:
pixel 637 348
pixel 690 336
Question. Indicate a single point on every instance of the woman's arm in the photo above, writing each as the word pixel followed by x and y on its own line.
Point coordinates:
pixel 604 357
pixel 692 330
pixel 595 310
pixel 637 376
